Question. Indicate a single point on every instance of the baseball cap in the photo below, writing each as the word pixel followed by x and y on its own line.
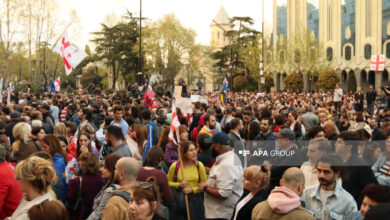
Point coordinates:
pixel 286 133
pixel 219 138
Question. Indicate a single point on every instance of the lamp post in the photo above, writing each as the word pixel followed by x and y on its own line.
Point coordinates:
pixel 262 48
pixel 140 44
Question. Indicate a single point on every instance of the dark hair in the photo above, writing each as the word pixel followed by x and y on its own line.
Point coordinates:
pixel 207 118
pixel 254 130
pixel 154 157
pixel 36 130
pixel 279 120
pixel 117 108
pixel 2 124
pixel 359 117
pixel 198 105
pixel 352 137
pixel 312 132
pixel 334 161
pixel 363 134
pixel 234 123
pixel 376 192
pixel 200 140
pixel 48 210
pixel 270 121
pixel 88 113
pixel 71 125
pixel 110 163
pixel 134 112
pixel 55 147
pixel 89 163
pixel 116 132
pixel 63 139
pixel 146 115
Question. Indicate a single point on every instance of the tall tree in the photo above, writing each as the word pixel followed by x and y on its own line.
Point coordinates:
pixel 168 46
pixel 114 46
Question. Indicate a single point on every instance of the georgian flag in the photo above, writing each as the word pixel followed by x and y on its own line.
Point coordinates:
pixel 70 53
pixel 57 85
pixel 174 124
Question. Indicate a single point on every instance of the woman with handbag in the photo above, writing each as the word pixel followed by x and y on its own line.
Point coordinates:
pixel 82 190
pixel 184 177
pixel 105 193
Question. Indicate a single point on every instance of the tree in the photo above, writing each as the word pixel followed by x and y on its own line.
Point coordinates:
pixel 115 47
pixel 9 23
pixel 90 75
pixel 294 82
pixel 168 46
pixel 240 82
pixel 242 55
pixel 328 79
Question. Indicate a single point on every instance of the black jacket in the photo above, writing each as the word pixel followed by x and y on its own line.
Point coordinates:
pixel 371 95
pixel 245 213
pixel 359 175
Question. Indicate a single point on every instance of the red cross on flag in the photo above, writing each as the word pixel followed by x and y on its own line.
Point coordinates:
pixel 378 63
pixel 69 52
pixel 57 84
pixel 174 124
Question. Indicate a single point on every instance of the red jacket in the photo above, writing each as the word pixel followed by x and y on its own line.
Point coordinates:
pixel 10 192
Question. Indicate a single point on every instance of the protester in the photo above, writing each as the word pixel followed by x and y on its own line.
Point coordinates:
pixel 101 199
pixel 85 186
pixel 23 146
pixel 372 195
pixel 224 187
pixel 256 181
pixel 284 201
pixel 51 145
pixel 35 175
pixel 144 201
pixel 10 192
pixel 126 171
pixel 116 140
pixel 171 152
pixel 48 210
pixel 184 176
pixel 152 168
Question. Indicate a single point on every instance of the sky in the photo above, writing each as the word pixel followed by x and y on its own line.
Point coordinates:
pixel 195 14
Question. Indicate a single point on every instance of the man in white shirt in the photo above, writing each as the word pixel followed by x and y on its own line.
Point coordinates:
pixel 337 97
pixel 224 186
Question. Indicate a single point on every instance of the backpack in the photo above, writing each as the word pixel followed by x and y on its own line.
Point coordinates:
pixel 124 195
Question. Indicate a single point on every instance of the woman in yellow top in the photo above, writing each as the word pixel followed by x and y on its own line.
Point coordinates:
pixel 194 173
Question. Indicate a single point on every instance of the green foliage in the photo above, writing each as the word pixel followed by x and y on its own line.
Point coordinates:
pixel 170 48
pixel 293 82
pixel 115 47
pixel 328 79
pixel 90 75
pixel 243 53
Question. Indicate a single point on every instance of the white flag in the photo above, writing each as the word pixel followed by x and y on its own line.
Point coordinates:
pixel 57 85
pixel 174 124
pixel 70 53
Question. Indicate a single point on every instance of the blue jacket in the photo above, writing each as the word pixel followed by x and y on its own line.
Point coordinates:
pixel 382 179
pixel 123 125
pixel 339 205
pixel 59 166
pixel 75 120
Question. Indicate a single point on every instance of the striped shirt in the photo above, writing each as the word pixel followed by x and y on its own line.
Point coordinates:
pixel 63 115
pixel 385 168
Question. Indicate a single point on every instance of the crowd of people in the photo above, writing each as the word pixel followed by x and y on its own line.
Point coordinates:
pixel 122 156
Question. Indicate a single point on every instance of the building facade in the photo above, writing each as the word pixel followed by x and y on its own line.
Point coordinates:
pixel 351 32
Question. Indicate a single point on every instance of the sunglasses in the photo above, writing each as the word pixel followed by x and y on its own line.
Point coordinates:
pixel 146 185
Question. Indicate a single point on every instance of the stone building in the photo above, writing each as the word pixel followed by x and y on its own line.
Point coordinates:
pixel 351 31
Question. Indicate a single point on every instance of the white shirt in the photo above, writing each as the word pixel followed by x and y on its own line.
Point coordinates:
pixel 21 213
pixel 311 177
pixel 226 175
pixel 337 95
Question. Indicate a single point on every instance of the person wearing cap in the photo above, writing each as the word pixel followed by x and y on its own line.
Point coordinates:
pixel 224 186
pixel 10 192
pixel 15 118
pixel 284 156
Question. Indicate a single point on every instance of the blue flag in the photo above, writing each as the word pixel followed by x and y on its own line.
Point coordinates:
pixel 225 91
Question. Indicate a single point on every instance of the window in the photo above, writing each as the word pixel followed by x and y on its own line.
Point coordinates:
pixel 367 51
pixel 388 50
pixel 282 57
pixel 329 54
pixel 348 52
pixel 297 57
